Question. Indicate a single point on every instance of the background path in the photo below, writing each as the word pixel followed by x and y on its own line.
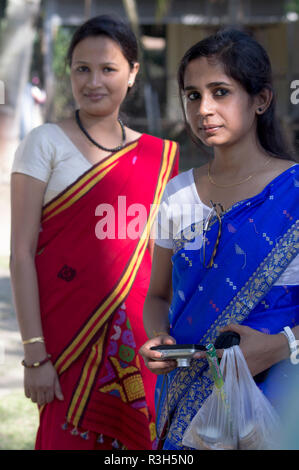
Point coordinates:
pixel 18 415
pixel 11 351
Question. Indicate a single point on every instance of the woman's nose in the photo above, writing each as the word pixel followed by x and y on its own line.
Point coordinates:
pixel 94 79
pixel 205 106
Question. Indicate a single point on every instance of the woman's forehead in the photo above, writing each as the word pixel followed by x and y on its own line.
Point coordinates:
pixel 203 71
pixel 97 46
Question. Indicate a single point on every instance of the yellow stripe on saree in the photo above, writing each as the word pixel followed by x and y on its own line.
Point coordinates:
pixel 121 291
pixel 102 315
pixel 90 179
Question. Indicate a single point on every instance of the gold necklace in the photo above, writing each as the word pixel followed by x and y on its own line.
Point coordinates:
pixel 234 184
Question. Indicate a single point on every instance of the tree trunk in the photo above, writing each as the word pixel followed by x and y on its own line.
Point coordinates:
pixel 16 43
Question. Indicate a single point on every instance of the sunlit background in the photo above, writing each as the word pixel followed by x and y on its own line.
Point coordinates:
pixel 35 88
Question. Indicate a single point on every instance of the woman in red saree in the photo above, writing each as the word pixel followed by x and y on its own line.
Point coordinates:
pixel 80 274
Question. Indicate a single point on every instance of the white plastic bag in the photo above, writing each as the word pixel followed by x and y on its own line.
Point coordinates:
pixel 213 427
pixel 235 416
pixel 257 421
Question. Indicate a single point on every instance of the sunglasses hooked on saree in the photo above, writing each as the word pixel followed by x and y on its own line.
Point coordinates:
pixel 217 210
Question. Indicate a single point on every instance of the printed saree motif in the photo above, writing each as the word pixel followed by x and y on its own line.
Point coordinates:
pixel 92 289
pixel 260 237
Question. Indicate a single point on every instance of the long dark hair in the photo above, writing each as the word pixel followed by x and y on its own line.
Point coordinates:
pixel 112 27
pixel 247 62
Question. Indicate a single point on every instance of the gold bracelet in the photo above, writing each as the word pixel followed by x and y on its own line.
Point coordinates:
pixel 37 339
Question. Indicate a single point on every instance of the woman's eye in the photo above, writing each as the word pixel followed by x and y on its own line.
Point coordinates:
pixel 221 92
pixel 194 95
pixel 82 68
pixel 108 69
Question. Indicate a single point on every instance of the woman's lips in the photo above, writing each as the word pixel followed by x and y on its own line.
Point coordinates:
pixel 95 96
pixel 210 129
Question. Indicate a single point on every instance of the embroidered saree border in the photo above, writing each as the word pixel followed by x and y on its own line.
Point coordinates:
pixel 88 375
pixel 117 296
pixel 261 281
pixel 257 286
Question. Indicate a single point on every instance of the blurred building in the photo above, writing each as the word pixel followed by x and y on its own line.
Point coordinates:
pixel 184 23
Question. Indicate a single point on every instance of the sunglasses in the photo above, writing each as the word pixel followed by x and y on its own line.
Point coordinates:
pixel 216 211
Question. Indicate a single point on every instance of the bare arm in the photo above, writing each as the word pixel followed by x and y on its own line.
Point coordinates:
pixel 260 350
pixel 157 302
pixel 155 311
pixel 26 205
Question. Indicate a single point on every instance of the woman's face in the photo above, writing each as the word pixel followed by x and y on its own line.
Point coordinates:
pixel 218 109
pixel 100 75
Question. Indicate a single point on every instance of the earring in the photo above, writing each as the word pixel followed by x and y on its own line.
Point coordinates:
pixel 260 110
pixel 130 83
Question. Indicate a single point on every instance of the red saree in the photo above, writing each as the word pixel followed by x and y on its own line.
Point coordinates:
pixel 93 270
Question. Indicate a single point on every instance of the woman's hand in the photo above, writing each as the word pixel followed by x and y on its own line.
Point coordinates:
pixel 260 350
pixel 151 358
pixel 41 384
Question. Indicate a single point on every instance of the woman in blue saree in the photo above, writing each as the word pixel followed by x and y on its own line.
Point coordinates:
pixel 226 253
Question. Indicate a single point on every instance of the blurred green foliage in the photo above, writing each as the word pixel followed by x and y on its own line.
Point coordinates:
pixel 63 102
pixel 292 6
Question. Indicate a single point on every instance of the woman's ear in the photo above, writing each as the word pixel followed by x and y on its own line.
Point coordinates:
pixel 133 72
pixel 263 100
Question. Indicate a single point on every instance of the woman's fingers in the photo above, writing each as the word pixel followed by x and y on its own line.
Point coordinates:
pixel 240 329
pixel 57 390
pixel 41 397
pixel 154 359
pixel 161 367
pixel 49 396
pixel 27 392
pixel 33 396
pixel 42 385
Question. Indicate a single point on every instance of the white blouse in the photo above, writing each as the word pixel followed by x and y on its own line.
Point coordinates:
pixel 49 155
pixel 181 206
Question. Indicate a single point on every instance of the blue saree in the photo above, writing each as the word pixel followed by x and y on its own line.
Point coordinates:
pixel 259 239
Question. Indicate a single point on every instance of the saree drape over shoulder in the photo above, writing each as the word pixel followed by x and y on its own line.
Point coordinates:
pixel 259 240
pixel 93 266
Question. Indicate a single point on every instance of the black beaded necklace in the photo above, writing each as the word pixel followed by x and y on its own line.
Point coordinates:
pixel 78 121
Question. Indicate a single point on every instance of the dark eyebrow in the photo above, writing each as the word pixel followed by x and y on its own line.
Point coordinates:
pixel 209 85
pixel 86 63
pixel 80 62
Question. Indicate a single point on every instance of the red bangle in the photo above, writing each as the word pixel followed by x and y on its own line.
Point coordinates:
pixel 36 364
